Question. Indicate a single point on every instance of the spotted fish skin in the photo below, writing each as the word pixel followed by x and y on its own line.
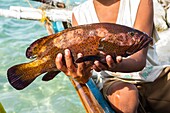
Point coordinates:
pixel 88 39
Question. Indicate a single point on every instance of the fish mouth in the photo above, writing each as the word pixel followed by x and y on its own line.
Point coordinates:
pixel 144 41
pixel 139 44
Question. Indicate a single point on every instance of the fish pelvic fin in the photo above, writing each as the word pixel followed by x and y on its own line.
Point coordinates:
pixel 20 76
pixel 50 75
pixel 100 58
pixel 88 58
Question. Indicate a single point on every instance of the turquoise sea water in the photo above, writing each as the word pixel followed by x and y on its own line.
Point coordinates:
pixel 55 96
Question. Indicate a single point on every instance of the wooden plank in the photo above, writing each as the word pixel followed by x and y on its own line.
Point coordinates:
pixel 87 98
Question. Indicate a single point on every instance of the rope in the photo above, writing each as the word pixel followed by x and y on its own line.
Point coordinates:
pixel 44 17
pixel 29 3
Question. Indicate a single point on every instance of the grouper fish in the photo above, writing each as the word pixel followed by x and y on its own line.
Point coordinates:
pixel 90 39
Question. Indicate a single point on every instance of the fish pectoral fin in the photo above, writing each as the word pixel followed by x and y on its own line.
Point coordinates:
pixel 50 75
pixel 88 58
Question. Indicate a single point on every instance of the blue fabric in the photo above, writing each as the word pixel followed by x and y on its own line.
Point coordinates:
pixel 57 26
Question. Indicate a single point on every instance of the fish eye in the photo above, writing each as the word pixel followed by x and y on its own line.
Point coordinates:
pixel 131 33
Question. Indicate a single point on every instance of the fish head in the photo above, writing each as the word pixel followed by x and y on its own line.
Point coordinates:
pixel 124 43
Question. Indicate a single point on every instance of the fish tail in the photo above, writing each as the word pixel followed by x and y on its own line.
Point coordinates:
pixel 20 76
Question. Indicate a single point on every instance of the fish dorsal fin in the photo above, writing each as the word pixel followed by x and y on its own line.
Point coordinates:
pixel 34 48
